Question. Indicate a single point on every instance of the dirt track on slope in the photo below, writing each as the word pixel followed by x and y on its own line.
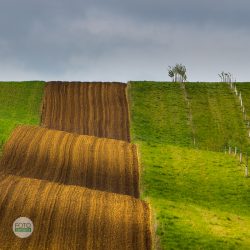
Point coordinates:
pixel 58 156
pixel 97 109
pixel 71 217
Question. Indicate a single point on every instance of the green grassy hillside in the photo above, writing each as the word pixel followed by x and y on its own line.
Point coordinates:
pixel 217 119
pixel 159 114
pixel 201 198
pixel 244 88
pixel 20 103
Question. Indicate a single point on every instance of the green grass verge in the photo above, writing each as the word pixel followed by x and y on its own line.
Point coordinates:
pixel 20 103
pixel 200 198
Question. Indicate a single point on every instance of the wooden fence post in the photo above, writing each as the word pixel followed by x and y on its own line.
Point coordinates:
pixel 246 169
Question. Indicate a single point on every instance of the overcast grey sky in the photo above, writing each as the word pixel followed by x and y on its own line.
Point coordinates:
pixel 115 40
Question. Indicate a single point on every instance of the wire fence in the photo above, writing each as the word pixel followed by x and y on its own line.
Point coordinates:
pixel 242 157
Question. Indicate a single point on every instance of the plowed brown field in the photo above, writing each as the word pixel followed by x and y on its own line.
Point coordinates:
pixel 97 163
pixel 70 217
pixel 98 109
pixel 79 190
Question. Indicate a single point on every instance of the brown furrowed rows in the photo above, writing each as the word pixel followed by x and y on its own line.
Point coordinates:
pixel 58 156
pixel 97 109
pixel 77 176
pixel 71 217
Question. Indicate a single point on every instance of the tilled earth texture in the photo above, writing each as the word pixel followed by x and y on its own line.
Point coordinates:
pixel 71 217
pixel 76 176
pixel 72 159
pixel 98 109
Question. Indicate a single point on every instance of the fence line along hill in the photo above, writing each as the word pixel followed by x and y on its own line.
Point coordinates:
pixel 72 159
pixel 71 217
pixel 98 109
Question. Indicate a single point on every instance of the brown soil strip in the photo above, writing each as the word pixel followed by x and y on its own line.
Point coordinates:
pixel 72 159
pixel 71 217
pixel 97 109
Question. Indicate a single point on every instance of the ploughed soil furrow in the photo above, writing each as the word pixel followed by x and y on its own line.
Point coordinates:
pixel 72 159
pixel 97 109
pixel 77 176
pixel 71 217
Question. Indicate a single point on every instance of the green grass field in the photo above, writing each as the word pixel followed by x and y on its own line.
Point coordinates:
pixel 20 104
pixel 200 198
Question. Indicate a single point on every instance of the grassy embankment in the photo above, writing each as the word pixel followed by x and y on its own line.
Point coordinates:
pixel 20 103
pixel 201 198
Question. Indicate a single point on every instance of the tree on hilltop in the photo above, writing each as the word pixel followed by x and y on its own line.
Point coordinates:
pixel 177 73
pixel 226 77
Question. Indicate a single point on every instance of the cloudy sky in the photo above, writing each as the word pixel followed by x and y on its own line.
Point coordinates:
pixel 117 40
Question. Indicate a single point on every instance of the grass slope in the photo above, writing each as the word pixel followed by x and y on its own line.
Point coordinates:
pixel 20 104
pixel 217 119
pixel 244 88
pixel 159 114
pixel 201 198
